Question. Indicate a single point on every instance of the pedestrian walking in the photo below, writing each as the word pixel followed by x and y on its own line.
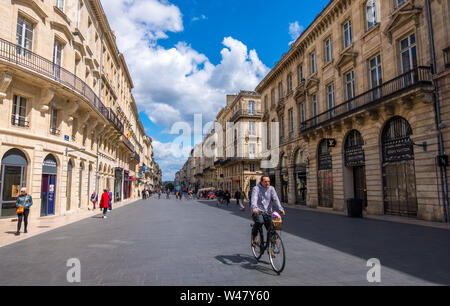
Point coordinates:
pixel 227 197
pixel 110 200
pixel 104 202
pixel 94 199
pixel 23 204
pixel 242 205
pixel 237 196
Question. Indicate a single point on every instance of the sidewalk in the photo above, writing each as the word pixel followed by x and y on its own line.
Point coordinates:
pixel 45 224
pixel 376 217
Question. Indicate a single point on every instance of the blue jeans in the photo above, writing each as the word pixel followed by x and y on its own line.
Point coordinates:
pixel 105 210
pixel 260 220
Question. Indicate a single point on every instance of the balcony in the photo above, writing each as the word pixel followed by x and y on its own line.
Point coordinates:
pixel 17 55
pixel 136 157
pixel 55 132
pixel 418 77
pixel 245 113
pixel 128 144
pixel 20 121
pixel 112 117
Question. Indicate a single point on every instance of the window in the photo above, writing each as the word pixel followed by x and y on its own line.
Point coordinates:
pixel 399 3
pixel 371 14
pixel 347 34
pixel 289 83
pixel 19 111
pixel 328 50
pixel 57 58
pixel 313 63
pixel 281 128
pixel 252 128
pixel 350 88
pixel 291 122
pixel 280 90
pixel 375 76
pixel 54 121
pixel 251 107
pixel 252 150
pixel 60 5
pixel 314 108
pixel 408 53
pixel 80 6
pixel 300 74
pixel 24 36
pixel 252 167
pixel 266 103
pixel 330 98
pixel 302 113
pixel 272 97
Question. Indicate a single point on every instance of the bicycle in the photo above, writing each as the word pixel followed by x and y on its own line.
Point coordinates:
pixel 275 247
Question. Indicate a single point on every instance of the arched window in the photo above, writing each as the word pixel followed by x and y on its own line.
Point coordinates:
pixel 371 14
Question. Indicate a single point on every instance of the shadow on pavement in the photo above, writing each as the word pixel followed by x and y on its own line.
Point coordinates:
pixel 418 251
pixel 246 262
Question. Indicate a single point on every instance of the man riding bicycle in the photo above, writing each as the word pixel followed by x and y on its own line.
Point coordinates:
pixel 262 196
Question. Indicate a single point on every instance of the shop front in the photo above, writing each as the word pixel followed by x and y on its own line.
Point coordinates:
pixel 399 180
pixel 48 185
pixel 118 173
pixel 300 178
pixel 13 177
pixel 325 175
pixel 126 185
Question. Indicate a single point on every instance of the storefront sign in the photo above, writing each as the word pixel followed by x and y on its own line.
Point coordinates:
pixel 398 150
pixel 325 162
pixel 354 157
pixel 331 143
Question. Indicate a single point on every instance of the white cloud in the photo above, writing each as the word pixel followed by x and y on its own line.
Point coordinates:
pixel 197 18
pixel 294 31
pixel 173 84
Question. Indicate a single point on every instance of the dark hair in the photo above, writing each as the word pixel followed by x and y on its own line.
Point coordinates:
pixel 262 177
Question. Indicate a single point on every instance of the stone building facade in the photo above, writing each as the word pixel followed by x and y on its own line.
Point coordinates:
pixel 355 100
pixel 71 124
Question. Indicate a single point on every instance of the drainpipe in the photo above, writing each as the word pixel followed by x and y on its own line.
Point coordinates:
pixel 437 110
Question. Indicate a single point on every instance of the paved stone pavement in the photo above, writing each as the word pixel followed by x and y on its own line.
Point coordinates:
pixel 194 243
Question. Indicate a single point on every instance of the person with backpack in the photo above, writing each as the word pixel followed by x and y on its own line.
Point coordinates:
pixel 94 200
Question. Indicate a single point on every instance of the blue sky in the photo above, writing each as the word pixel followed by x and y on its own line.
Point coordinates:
pixel 186 55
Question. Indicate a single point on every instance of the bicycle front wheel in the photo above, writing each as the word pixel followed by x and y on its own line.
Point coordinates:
pixel 277 255
pixel 258 247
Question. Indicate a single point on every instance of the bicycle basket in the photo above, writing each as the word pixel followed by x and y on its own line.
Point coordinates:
pixel 277 224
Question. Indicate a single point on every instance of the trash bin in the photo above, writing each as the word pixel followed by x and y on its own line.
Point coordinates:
pixel 355 208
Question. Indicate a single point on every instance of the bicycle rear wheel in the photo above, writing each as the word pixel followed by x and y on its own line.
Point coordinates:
pixel 258 247
pixel 277 255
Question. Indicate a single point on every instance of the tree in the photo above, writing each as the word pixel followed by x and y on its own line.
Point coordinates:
pixel 170 186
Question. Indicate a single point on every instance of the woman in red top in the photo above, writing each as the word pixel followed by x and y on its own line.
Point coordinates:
pixel 104 202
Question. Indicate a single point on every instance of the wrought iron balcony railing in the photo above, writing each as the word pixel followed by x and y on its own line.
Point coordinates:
pixel 112 117
pixel 55 131
pixel 20 121
pixel 128 143
pixel 416 77
pixel 22 57
pixel 243 112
